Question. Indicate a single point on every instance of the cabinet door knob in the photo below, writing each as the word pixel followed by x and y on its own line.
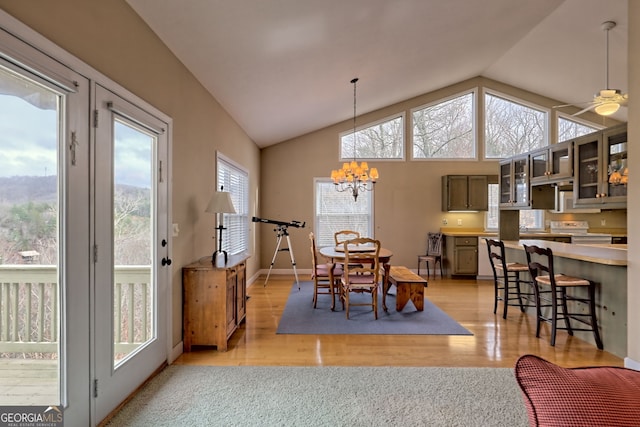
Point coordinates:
pixel 166 261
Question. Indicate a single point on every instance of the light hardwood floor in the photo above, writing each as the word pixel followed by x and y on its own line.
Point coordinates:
pixel 496 342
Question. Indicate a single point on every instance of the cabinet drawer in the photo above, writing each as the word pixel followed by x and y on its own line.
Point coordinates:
pixel 466 241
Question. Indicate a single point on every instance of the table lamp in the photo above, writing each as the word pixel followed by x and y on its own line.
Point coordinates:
pixel 220 203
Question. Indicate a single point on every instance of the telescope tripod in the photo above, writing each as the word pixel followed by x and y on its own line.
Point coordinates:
pixel 281 230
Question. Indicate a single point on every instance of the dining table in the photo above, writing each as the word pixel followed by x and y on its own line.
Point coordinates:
pixel 336 255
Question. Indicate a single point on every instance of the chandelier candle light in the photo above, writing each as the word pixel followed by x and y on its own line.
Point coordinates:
pixel 354 177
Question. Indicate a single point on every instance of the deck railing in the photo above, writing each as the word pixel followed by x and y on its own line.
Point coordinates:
pixel 29 308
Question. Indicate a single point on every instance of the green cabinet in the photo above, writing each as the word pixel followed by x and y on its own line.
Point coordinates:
pixel 601 169
pixel 465 256
pixel 514 182
pixel 465 193
pixel 552 164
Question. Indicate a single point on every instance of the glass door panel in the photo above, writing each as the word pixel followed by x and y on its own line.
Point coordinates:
pixel 30 230
pixel 521 182
pixel 617 172
pixel 133 225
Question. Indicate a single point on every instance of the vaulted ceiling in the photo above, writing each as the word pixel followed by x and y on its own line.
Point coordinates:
pixel 282 68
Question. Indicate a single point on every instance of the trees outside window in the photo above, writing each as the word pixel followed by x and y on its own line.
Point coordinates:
pixel 511 127
pixel 445 130
pixel 569 128
pixel 380 140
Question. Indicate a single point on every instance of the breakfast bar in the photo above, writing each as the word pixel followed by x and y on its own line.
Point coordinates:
pixel 602 263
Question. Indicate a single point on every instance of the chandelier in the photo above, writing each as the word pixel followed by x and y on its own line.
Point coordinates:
pixel 354 177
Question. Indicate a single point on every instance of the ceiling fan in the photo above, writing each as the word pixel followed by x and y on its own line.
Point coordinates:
pixel 606 101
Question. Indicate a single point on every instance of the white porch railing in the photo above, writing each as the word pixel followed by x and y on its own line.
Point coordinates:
pixel 29 309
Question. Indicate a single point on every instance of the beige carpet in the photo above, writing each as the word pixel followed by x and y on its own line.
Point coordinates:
pixel 327 396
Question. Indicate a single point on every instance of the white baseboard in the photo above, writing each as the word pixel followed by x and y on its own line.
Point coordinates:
pixel 175 352
pixel 631 364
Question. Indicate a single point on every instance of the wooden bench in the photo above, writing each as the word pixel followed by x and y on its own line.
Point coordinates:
pixel 409 286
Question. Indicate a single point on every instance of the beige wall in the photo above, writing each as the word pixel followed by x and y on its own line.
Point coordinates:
pixel 110 37
pixel 633 272
pixel 407 196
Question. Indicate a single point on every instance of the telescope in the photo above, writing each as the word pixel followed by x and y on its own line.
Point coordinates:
pixel 296 224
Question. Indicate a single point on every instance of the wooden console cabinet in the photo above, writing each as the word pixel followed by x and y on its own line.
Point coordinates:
pixel 214 301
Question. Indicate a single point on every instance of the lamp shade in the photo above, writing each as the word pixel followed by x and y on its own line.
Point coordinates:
pixel 220 203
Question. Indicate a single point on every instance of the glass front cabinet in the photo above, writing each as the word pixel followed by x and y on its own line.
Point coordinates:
pixel 552 164
pixel 514 182
pixel 601 168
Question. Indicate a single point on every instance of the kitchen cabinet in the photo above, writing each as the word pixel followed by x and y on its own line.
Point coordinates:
pixel 601 169
pixel 214 301
pixel 465 256
pixel 465 193
pixel 552 164
pixel 514 182
pixel 515 187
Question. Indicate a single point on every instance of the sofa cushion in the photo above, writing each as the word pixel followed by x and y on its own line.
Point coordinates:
pixel 588 396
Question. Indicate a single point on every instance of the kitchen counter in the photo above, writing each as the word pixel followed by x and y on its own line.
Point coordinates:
pixel 599 254
pixel 494 234
pixel 604 264
pixel 525 234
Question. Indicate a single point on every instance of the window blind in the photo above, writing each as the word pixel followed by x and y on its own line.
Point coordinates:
pixel 235 179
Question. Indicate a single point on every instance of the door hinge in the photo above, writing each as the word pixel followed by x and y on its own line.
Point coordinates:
pixel 95 388
pixel 95 253
pixel 72 147
pixel 95 118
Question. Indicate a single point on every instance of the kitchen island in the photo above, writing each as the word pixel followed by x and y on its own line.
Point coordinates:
pixel 604 264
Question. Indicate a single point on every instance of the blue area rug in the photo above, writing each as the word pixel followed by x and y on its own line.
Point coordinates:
pixel 299 317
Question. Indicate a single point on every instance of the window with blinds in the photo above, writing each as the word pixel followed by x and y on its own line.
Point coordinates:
pixel 336 211
pixel 235 179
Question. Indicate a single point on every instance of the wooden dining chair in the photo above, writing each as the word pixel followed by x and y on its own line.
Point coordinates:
pixel 341 236
pixel 361 272
pixel 433 254
pixel 320 274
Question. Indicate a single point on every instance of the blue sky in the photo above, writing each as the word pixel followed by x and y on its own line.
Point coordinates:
pixel 28 144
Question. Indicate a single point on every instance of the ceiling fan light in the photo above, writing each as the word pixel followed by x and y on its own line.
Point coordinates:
pixel 607 108
pixel 609 93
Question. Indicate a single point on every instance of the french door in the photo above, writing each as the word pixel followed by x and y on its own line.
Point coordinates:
pixel 44 238
pixel 131 251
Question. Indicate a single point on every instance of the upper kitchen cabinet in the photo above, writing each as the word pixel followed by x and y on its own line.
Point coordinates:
pixel 516 191
pixel 514 182
pixel 465 192
pixel 601 169
pixel 552 164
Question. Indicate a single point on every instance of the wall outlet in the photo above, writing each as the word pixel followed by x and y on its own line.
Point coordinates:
pixel 603 222
pixel 444 221
pixel 459 222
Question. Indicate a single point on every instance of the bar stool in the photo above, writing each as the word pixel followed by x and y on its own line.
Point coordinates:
pixel 506 279
pixel 540 262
